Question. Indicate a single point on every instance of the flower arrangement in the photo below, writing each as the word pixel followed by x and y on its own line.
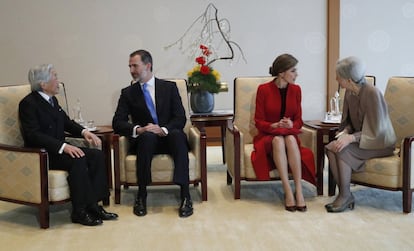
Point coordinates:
pixel 203 77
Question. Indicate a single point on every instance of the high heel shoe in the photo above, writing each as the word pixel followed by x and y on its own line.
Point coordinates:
pixel 349 203
pixel 301 208
pixel 290 208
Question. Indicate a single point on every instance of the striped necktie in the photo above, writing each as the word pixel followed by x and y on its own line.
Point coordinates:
pixel 51 102
pixel 149 102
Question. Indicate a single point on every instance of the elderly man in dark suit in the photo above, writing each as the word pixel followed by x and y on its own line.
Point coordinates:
pixel 157 121
pixel 43 124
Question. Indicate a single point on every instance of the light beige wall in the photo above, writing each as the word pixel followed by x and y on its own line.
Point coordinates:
pixel 89 43
pixel 382 34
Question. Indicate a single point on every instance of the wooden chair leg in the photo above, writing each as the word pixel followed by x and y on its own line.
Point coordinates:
pixel 117 194
pixel 237 188
pixel 407 200
pixel 44 216
pixel 204 191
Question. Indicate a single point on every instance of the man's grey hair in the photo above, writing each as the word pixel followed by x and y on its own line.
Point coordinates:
pixel 39 74
pixel 351 68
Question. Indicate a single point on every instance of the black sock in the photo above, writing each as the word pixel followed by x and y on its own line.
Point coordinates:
pixel 142 191
pixel 185 192
pixel 93 208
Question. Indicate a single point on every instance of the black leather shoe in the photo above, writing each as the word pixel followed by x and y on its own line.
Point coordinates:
pixel 140 206
pixel 85 218
pixel 186 208
pixel 100 213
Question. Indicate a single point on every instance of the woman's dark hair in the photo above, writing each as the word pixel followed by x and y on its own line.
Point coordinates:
pixel 282 63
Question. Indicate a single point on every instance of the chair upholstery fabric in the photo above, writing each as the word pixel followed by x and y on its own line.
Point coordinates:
pixel 395 172
pixel 162 165
pixel 240 134
pixel 24 174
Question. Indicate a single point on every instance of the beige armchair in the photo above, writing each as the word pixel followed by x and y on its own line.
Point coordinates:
pixel 240 133
pixel 25 177
pixel 395 172
pixel 162 165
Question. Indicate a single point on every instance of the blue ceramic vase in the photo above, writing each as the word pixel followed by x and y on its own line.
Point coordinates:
pixel 202 101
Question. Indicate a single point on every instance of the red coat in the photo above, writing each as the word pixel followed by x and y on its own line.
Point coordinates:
pixel 268 109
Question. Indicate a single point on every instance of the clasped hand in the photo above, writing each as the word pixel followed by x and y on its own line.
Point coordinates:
pixel 76 152
pixel 154 128
pixel 283 123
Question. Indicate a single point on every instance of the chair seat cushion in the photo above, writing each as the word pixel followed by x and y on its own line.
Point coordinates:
pixel 384 172
pixel 162 168
pixel 58 185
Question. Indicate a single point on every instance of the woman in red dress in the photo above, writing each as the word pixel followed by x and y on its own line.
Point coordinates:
pixel 278 119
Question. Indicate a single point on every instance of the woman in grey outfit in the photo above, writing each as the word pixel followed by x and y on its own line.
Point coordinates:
pixel 365 131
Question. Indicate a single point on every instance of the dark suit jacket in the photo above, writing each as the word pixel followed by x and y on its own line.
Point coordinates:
pixel 170 110
pixel 44 126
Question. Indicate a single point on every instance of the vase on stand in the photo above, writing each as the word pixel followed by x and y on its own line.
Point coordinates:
pixel 202 101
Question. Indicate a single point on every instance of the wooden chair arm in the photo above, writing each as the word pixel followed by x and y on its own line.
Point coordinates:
pixel 407 161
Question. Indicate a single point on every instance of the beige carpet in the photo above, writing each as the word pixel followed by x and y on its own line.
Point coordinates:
pixel 256 222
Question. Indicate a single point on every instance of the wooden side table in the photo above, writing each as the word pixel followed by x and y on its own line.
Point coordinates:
pixel 105 133
pixel 325 133
pixel 214 118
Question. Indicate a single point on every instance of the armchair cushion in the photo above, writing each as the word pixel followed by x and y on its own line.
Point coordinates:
pixel 162 168
pixel 381 172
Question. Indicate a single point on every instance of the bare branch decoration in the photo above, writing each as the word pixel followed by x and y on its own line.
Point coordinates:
pixel 211 25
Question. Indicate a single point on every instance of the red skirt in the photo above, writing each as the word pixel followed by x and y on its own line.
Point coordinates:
pixel 263 162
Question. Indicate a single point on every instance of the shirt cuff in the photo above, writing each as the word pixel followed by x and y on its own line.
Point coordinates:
pixel 165 130
pixel 134 131
pixel 61 148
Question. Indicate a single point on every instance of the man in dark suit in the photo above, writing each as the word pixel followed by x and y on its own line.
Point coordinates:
pixel 155 127
pixel 43 124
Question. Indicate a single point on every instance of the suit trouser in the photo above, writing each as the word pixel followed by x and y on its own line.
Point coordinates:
pixel 87 176
pixel 175 143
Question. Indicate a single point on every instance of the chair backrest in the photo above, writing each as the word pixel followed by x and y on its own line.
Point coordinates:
pixel 245 89
pixel 399 96
pixel 182 89
pixel 10 97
